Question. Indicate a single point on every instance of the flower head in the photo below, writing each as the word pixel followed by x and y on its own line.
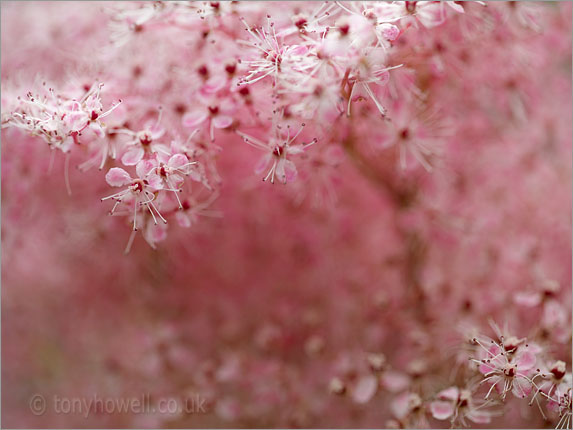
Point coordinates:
pixel 457 405
pixel 277 152
pixel 507 366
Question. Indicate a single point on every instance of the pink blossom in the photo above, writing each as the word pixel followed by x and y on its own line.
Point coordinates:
pixel 455 404
pixel 217 114
pixel 141 142
pixel 508 365
pixel 276 152
pixel 140 194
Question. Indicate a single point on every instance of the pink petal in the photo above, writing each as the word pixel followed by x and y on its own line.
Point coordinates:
pixel 497 361
pixel 195 174
pixel 389 31
pixel 263 163
pixel 280 171
pixel 441 410
pixel 162 157
pixel 498 381
pixel 159 232
pixel 455 6
pixel 97 129
pixel 527 299
pixel 451 394
pixel 534 348
pixel 525 360
pixel 155 233
pixel 213 85
pixel 383 78
pixel 160 148
pixel 176 180
pixel 294 149
pixel 117 177
pixel 521 388
pixel 227 106
pixel 554 314
pixel 155 182
pixel 222 121
pixel 485 368
pixel 365 389
pixel 553 405
pixel 93 103
pixel 290 171
pixel 144 168
pixel 177 161
pixel 395 381
pixel 431 14
pixel 156 131
pixel 133 156
pixel 479 417
pixel 286 170
pixel 298 49
pixel 493 350
pixel 193 119
pixel 400 405
pixel 74 106
pixel 182 219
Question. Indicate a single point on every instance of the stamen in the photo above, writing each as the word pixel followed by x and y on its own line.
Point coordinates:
pixel 130 241
pixel 67 174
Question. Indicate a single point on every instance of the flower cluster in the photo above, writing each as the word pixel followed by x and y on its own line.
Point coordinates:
pixel 60 119
pixel 512 365
pixel 317 66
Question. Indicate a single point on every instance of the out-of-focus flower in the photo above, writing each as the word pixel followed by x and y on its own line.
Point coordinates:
pixel 456 404
pixel 276 151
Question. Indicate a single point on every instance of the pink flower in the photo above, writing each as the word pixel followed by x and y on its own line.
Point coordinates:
pixel 507 366
pixel 370 70
pixel 276 152
pixel 154 232
pixel 416 134
pixel 140 192
pixel 274 59
pixel 561 401
pixel 217 114
pixel 546 291
pixel 142 142
pixel 430 13
pixel 455 404
pixel 172 171
pixel 554 378
pixel 410 410
pixel 193 208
